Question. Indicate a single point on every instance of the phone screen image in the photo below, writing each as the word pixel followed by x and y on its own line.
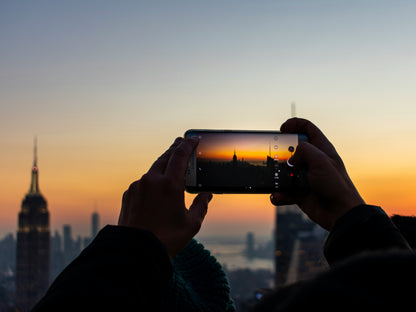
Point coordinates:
pixel 242 161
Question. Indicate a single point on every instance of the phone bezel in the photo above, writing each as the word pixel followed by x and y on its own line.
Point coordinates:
pixel 191 173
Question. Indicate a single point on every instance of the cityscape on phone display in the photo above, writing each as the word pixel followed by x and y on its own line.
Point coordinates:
pixel 245 161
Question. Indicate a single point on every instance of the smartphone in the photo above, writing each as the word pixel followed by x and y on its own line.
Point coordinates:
pixel 240 161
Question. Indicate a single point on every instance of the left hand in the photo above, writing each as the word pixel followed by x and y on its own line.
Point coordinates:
pixel 156 202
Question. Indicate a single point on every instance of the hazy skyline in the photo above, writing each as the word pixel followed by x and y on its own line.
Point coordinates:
pixel 107 86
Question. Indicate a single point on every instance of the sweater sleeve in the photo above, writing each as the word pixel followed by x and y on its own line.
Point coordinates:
pixel 363 228
pixel 123 269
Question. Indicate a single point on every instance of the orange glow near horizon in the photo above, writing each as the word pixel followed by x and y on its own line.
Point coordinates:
pixel 395 193
pixel 74 187
pixel 247 147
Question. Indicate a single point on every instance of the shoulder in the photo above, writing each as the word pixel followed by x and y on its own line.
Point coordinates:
pixel 376 281
pixel 363 228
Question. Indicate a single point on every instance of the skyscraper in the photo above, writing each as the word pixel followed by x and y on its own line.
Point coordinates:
pixel 298 246
pixel 289 222
pixel 33 245
pixel 250 247
pixel 69 253
pixel 95 224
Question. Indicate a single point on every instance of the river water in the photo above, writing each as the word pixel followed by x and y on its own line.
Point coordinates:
pixel 231 255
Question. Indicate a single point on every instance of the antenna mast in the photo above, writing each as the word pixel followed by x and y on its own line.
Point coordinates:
pixel 293 108
pixel 35 152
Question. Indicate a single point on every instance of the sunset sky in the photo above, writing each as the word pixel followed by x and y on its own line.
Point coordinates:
pixel 250 147
pixel 106 86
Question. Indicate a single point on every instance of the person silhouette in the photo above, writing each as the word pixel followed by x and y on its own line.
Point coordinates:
pixel 131 266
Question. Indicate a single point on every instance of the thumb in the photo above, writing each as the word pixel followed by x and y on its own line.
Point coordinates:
pixel 309 156
pixel 199 209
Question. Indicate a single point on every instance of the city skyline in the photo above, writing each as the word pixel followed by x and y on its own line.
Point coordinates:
pixel 107 88
pixel 250 147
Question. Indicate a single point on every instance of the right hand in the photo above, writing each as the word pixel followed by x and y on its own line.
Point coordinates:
pixel 331 192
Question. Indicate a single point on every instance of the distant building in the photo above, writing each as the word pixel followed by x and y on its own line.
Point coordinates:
pixel 95 224
pixel 250 248
pixel 33 245
pixel 289 221
pixel 234 159
pixel 57 255
pixel 69 244
pixel 298 246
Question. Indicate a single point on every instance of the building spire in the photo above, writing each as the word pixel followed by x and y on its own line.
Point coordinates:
pixel 234 157
pixel 34 185
pixel 35 151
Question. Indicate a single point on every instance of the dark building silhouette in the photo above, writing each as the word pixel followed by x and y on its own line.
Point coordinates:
pixel 57 255
pixel 250 248
pixel 289 221
pixel 298 246
pixel 33 245
pixel 95 224
pixel 72 247
pixel 68 241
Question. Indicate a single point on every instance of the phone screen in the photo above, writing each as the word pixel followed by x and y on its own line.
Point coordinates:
pixel 242 161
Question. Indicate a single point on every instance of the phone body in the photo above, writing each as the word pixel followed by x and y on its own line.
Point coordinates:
pixel 242 161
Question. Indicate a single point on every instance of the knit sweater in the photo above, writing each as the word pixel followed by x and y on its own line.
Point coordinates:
pixel 198 282
pixel 128 269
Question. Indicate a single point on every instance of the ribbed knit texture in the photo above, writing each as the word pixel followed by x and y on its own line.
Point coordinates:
pixel 198 283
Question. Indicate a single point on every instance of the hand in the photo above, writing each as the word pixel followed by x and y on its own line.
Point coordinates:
pixel 156 201
pixel 331 192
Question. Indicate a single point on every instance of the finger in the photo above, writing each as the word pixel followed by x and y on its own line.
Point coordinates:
pixel 199 208
pixel 309 156
pixel 160 164
pixel 280 199
pixel 315 135
pixel 124 199
pixel 179 159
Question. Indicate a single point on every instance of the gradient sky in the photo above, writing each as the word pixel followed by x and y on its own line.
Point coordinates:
pixel 107 86
pixel 250 147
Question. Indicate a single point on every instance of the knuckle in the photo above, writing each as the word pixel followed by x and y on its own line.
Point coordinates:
pixel 183 150
pixel 125 194
pixel 146 179
pixel 138 185
pixel 133 186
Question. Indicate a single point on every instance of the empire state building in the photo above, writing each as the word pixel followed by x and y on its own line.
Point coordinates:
pixel 33 245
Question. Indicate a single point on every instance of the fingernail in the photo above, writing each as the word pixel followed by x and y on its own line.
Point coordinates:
pixel 208 196
pixel 177 140
pixel 194 139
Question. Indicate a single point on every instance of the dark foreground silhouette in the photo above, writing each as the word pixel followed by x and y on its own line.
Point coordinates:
pixel 149 262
